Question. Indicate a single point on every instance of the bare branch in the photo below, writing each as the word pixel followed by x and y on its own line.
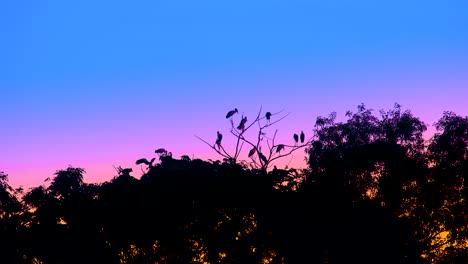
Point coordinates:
pixel 265 157
pixel 270 124
pixel 213 147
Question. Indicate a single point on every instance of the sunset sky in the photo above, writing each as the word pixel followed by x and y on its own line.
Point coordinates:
pixel 97 84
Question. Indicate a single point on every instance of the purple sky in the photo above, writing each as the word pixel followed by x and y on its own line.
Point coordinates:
pixel 96 85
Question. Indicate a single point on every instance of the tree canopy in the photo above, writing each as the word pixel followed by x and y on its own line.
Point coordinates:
pixel 374 191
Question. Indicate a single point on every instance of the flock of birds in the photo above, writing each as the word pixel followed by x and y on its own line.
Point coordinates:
pixel 241 126
pixel 219 138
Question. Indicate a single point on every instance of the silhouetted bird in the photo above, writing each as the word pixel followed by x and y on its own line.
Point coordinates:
pixel 296 137
pixel 220 137
pixel 279 148
pixel 140 161
pixel 302 136
pixel 161 151
pixel 268 115
pixel 252 151
pixel 231 113
pixel 242 123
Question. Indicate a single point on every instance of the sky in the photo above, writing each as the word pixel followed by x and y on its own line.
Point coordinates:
pixel 98 84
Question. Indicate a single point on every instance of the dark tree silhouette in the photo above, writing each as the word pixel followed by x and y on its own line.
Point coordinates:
pixel 263 148
pixel 12 219
pixel 374 192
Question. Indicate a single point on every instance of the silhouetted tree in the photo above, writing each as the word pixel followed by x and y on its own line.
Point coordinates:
pixel 383 161
pixel 263 149
pixel 11 223
pixel 374 192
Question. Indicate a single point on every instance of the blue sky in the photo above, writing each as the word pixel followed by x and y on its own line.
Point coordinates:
pixel 102 83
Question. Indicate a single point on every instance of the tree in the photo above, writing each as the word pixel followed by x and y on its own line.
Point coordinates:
pixel 65 219
pixel 263 148
pixel 444 192
pixel 11 223
pixel 367 167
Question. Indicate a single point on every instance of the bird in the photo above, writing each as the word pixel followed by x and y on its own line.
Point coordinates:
pixel 251 152
pixel 219 138
pixel 231 113
pixel 140 161
pixel 296 137
pixel 268 115
pixel 302 136
pixel 262 157
pixel 242 123
pixel 279 148
pixel 161 151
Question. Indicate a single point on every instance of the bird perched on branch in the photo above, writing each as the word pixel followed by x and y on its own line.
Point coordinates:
pixel 242 123
pixel 279 148
pixel 219 138
pixel 161 151
pixel 231 113
pixel 251 152
pixel 302 136
pixel 296 137
pixel 268 115
pixel 140 161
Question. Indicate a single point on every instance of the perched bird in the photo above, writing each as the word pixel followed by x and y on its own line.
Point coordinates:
pixel 302 136
pixel 231 113
pixel 296 137
pixel 161 151
pixel 242 123
pixel 279 148
pixel 262 157
pixel 140 161
pixel 251 152
pixel 268 115
pixel 220 137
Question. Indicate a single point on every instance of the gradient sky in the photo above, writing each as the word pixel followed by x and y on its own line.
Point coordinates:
pixel 97 84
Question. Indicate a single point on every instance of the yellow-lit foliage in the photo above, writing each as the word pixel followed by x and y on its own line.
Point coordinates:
pixel 250 223
pixel 134 254
pixel 200 252
pixel 441 247
pixel 247 224
pixel 270 256
pixel 33 260
pixel 222 255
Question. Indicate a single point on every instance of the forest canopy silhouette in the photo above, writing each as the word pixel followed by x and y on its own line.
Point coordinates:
pixel 374 191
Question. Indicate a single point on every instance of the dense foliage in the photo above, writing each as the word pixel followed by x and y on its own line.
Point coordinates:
pixel 374 192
